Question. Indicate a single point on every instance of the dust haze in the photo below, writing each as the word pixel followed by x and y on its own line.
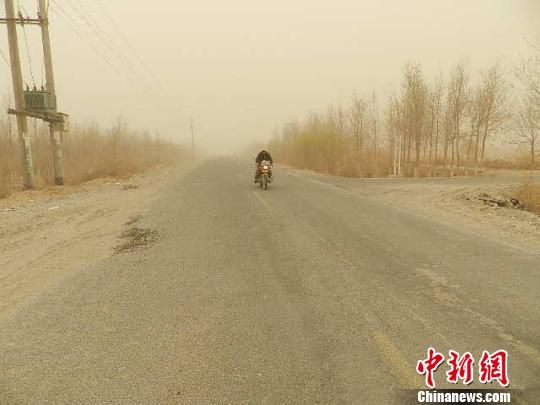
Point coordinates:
pixel 243 68
pixel 388 238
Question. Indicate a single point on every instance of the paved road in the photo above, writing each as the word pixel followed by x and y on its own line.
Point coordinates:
pixel 304 293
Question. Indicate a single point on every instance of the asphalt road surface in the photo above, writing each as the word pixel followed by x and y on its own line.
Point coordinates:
pixel 304 293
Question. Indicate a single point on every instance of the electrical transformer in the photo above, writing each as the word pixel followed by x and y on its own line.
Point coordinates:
pixel 40 101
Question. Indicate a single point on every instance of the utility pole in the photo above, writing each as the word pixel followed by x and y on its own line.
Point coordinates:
pixel 18 91
pixel 56 139
pixel 192 140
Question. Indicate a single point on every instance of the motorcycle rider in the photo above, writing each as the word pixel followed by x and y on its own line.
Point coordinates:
pixel 263 155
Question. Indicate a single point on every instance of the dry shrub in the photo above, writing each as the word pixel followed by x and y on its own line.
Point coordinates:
pixel 324 151
pixel 529 196
pixel 89 152
pixel 10 166
pixel 4 191
pixel 518 163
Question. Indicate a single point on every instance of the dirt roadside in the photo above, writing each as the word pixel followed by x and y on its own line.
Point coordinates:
pixel 468 206
pixel 49 233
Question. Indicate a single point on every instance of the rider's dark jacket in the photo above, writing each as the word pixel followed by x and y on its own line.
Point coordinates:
pixel 263 155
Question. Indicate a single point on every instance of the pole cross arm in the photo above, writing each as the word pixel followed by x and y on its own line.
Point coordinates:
pixel 22 21
pixel 47 117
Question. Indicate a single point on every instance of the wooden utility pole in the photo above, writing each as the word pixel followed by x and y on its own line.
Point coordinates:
pixel 56 139
pixel 18 91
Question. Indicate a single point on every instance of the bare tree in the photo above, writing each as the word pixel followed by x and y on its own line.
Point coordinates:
pixel 528 126
pixel 357 116
pixel 374 117
pixel 528 118
pixel 494 94
pixel 340 119
pixel 457 103
pixel 414 98
pixel 435 111
pixel 529 75
pixel 448 133
pixel 391 119
pixel 476 118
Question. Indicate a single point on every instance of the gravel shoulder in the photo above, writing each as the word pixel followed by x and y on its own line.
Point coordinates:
pixel 47 234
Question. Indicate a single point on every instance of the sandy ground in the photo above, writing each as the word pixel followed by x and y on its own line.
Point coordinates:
pixel 464 206
pixel 47 233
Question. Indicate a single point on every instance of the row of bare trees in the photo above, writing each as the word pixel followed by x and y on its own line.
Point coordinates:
pixel 445 124
pixel 441 127
pixel 528 116
pixel 90 151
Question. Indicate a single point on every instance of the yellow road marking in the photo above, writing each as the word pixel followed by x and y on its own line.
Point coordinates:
pixel 402 371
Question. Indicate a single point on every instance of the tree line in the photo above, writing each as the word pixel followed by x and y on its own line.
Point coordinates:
pixel 440 127
pixel 90 151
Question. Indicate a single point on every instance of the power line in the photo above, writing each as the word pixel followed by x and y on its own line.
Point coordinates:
pixel 29 56
pixel 87 18
pixel 62 13
pixel 95 30
pixel 100 33
pixel 126 74
pixel 100 30
pixel 73 25
pixel 4 58
pixel 128 44
pixel 21 7
pixel 81 20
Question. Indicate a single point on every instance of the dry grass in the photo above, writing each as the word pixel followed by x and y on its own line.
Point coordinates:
pixel 4 192
pixel 519 162
pixel 529 196
pixel 89 152
pixel 325 152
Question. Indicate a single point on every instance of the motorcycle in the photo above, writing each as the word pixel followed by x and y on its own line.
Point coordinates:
pixel 265 174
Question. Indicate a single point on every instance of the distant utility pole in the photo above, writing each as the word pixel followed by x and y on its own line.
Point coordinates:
pixel 56 139
pixel 39 104
pixel 192 140
pixel 18 91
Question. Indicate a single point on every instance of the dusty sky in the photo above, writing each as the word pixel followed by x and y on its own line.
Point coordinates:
pixel 243 67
